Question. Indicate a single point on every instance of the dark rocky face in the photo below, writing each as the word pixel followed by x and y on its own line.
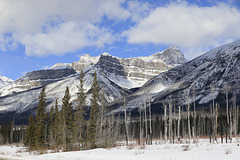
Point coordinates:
pixel 142 67
pixel 111 64
pixel 44 77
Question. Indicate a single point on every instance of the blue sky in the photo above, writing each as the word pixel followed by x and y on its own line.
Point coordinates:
pixel 37 34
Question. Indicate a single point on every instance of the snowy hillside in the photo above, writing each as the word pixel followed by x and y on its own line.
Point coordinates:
pixel 160 150
pixel 206 76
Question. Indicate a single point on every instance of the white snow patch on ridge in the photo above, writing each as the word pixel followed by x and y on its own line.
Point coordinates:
pixel 61 66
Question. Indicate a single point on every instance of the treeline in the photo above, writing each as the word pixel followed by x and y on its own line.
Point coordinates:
pixel 70 129
pixel 12 134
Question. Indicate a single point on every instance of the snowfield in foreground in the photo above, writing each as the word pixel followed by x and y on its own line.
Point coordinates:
pixel 198 151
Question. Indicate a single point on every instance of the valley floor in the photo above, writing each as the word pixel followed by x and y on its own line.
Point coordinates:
pixel 197 151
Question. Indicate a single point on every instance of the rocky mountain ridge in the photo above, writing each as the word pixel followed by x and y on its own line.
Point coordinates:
pixel 137 68
pixel 202 80
pixel 116 76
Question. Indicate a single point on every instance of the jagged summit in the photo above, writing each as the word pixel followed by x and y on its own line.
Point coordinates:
pixel 171 56
pixel 105 54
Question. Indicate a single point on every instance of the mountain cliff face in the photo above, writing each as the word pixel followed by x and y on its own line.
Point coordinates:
pixel 116 76
pixel 36 79
pixel 136 70
pixel 201 80
pixel 44 77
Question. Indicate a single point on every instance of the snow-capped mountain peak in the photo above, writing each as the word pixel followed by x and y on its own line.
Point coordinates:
pixel 5 81
pixel 61 66
pixel 105 54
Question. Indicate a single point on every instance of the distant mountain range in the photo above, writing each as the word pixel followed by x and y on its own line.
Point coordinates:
pixel 117 77
pixel 155 79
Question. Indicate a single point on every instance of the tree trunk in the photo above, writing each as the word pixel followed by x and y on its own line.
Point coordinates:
pixel 216 120
pixel 231 126
pixel 126 124
pixel 170 119
pixel 140 127
pixel 150 119
pixel 194 113
pixel 165 122
pixel 227 115
pixel 145 119
pixel 188 116
pixel 237 122
pixel 179 119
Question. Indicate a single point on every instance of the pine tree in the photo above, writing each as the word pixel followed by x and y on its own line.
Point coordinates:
pixel 67 119
pixel 94 112
pixel 50 126
pixel 57 131
pixel 79 115
pixel 30 139
pixel 41 120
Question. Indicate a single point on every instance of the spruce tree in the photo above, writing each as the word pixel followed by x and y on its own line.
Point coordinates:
pixel 50 126
pixel 30 139
pixel 57 131
pixel 67 119
pixel 79 115
pixel 41 120
pixel 94 112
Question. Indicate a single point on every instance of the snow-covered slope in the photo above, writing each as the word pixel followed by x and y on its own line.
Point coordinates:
pixel 36 79
pixel 5 81
pixel 206 76
pixel 201 149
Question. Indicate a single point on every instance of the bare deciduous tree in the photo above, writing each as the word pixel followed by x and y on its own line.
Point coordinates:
pixel 188 116
pixel 179 119
pixel 170 118
pixel 165 121
pixel 126 122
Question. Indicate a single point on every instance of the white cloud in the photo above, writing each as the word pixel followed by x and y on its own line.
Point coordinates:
pixel 138 10
pixel 113 9
pixel 187 26
pixel 67 38
pixel 57 26
pixel 7 42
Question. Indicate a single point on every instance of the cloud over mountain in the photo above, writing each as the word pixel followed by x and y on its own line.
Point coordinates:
pixel 187 25
pixel 58 27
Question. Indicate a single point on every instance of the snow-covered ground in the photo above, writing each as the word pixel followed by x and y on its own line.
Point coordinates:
pixel 202 150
